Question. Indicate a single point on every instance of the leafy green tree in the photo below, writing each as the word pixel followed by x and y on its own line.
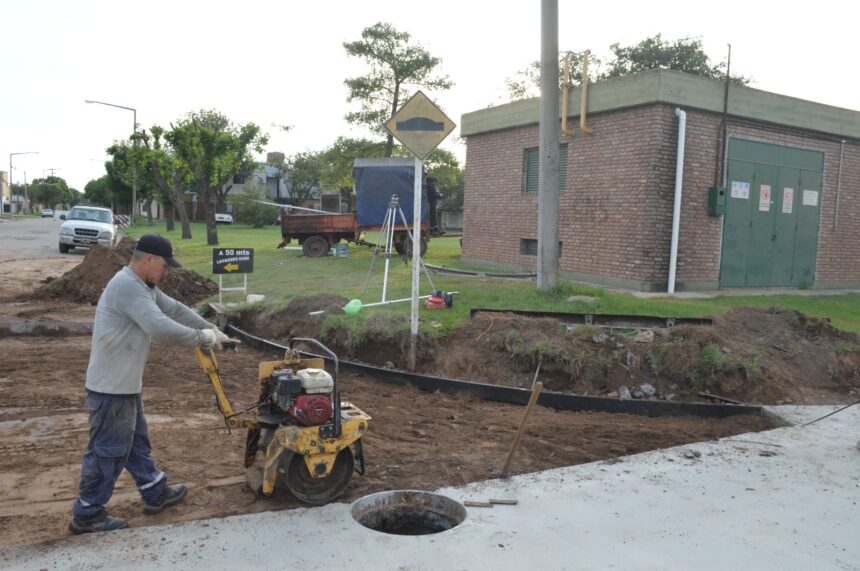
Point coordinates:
pixel 213 150
pixel 397 65
pixel 51 191
pixel 337 161
pixel 250 211
pixel 127 163
pixel 445 167
pixel 303 176
pixel 98 192
pixel 684 55
pixel 654 52
pixel 171 176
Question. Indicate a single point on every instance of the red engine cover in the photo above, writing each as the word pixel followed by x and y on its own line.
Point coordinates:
pixel 311 410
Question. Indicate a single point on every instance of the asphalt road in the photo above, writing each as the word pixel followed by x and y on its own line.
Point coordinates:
pixel 31 238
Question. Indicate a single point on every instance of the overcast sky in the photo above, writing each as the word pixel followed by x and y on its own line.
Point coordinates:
pixel 282 62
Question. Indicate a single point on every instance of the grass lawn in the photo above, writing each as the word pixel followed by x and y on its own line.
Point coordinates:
pixel 284 274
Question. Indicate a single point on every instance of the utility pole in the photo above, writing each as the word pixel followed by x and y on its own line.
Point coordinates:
pixel 548 191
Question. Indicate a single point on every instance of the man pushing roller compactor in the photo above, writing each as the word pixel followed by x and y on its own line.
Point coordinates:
pixel 131 312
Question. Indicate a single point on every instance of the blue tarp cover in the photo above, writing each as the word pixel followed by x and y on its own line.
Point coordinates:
pixel 376 180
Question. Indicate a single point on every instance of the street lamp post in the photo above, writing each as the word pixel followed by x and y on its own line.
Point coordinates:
pixel 26 203
pixel 133 166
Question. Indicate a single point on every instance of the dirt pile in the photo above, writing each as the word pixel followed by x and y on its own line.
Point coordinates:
pixel 85 282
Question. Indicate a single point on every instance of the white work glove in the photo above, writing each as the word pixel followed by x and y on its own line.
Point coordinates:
pixel 210 338
pixel 220 336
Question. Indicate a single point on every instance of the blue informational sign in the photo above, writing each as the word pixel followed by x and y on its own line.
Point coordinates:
pixel 376 180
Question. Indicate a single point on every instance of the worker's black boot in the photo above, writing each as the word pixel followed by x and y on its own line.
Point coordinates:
pixel 169 496
pixel 95 523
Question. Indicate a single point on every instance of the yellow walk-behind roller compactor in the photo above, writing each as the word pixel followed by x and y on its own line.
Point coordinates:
pixel 300 435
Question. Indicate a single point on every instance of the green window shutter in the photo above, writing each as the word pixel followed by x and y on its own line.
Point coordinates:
pixel 528 247
pixel 562 167
pixel 530 182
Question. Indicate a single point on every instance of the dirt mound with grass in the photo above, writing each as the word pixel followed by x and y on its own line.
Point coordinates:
pixel 507 349
pixel 85 282
pixel 750 355
pixel 294 319
pixel 760 356
pixel 374 338
pixel 766 356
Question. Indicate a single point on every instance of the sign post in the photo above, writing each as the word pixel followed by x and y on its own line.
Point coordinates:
pixel 232 261
pixel 420 126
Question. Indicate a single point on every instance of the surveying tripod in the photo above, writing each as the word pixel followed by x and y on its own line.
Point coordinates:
pixel 388 232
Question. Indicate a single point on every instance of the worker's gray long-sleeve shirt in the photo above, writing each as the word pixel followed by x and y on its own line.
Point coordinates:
pixel 129 316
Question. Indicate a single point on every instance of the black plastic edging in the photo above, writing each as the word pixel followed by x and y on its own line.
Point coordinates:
pixel 604 319
pixel 512 395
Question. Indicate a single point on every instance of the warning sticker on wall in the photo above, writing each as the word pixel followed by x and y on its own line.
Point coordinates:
pixel 787 200
pixel 764 198
pixel 810 198
pixel 740 190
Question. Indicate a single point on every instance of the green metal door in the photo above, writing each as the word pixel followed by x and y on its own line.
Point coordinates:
pixel 806 237
pixel 770 230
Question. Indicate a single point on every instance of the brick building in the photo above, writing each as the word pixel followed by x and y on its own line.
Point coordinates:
pixel 791 172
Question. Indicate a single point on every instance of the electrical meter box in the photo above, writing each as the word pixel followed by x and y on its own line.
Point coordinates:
pixel 716 201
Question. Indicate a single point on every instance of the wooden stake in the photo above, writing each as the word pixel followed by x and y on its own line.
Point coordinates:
pixel 522 428
pixel 504 502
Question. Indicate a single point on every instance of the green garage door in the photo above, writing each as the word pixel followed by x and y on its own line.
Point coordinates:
pixel 770 231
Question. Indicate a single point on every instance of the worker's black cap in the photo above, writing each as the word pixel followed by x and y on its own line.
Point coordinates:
pixel 157 246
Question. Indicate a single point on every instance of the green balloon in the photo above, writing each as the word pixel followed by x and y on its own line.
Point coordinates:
pixel 352 307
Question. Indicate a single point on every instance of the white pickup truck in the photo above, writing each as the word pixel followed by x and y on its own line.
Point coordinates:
pixel 86 226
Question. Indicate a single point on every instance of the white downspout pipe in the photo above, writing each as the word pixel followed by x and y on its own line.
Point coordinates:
pixel 676 211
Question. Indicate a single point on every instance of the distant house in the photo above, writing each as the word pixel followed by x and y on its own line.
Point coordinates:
pixel 266 177
pixel 777 205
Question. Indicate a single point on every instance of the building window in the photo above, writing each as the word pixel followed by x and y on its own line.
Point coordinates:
pixel 238 179
pixel 529 247
pixel 532 159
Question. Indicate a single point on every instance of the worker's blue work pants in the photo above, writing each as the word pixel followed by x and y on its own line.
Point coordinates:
pixel 119 438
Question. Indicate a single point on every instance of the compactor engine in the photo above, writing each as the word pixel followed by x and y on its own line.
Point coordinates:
pixel 305 395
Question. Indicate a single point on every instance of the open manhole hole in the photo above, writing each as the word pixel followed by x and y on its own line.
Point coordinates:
pixel 408 512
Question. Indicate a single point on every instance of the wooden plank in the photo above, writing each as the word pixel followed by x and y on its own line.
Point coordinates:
pixel 478 504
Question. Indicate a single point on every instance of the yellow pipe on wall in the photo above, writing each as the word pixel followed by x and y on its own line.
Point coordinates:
pixel 565 91
pixel 584 99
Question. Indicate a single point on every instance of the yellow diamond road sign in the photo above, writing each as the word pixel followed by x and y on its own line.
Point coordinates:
pixel 420 125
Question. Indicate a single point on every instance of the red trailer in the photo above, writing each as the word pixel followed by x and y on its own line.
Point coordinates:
pixel 317 233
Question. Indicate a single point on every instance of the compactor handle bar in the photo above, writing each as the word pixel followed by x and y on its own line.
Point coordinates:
pixel 328 351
